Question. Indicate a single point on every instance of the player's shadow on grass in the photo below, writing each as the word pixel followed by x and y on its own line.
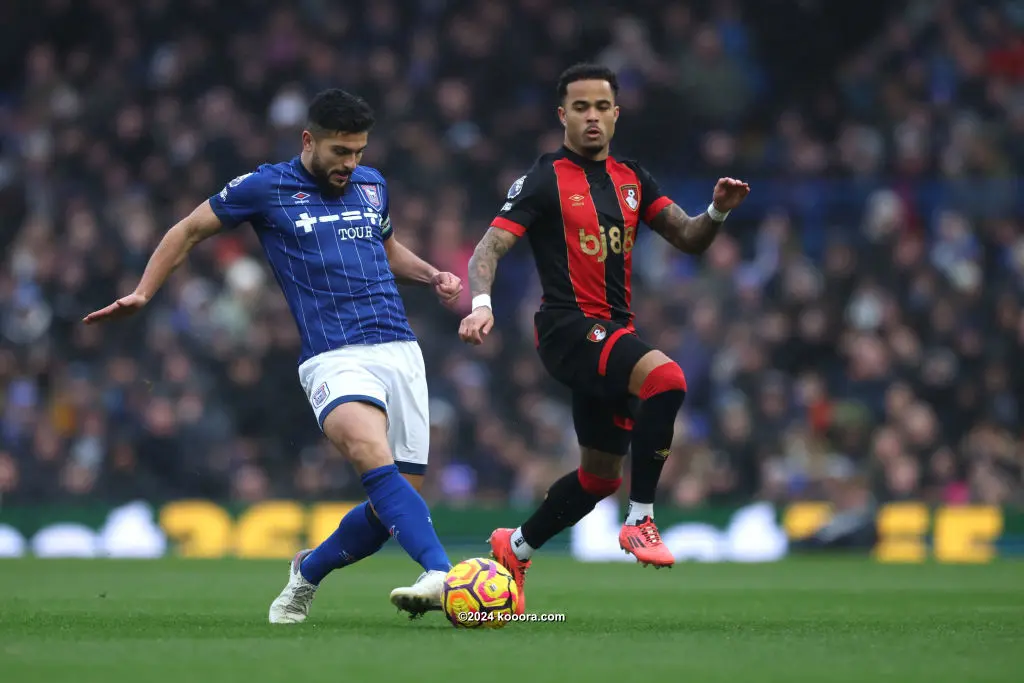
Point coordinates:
pixel 365 623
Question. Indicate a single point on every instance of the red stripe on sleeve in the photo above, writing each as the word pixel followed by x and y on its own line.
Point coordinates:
pixel 511 226
pixel 655 208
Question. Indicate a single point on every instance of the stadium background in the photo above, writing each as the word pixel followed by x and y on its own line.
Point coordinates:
pixel 853 337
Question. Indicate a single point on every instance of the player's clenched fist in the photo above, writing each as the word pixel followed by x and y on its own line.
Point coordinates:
pixel 448 287
pixel 476 326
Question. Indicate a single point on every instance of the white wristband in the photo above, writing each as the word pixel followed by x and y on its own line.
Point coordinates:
pixel 716 215
pixel 481 300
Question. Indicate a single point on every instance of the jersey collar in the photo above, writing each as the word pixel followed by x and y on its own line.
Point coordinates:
pixel 302 170
pixel 583 162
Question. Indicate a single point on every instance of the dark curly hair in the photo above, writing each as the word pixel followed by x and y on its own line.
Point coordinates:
pixel 338 111
pixel 586 72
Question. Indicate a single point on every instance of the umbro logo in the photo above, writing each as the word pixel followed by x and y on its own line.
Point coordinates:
pixel 577 199
pixel 300 197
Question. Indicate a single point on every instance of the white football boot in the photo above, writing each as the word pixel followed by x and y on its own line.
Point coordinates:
pixel 421 597
pixel 292 605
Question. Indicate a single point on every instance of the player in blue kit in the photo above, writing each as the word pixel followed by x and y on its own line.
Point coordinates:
pixel 325 229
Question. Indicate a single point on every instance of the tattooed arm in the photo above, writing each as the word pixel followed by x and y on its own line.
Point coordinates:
pixel 693 235
pixel 484 263
pixel 526 202
pixel 482 267
pixel 688 234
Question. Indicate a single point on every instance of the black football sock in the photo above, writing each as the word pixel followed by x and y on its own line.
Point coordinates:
pixel 663 395
pixel 568 501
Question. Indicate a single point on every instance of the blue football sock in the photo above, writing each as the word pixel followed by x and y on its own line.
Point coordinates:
pixel 405 514
pixel 359 535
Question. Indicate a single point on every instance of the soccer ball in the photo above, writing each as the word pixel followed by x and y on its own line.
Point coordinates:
pixel 479 593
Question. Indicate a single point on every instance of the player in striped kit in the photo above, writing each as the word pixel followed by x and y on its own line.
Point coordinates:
pixel 580 209
pixel 324 225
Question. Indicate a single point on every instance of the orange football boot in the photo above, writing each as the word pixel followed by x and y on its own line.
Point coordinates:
pixel 501 551
pixel 644 542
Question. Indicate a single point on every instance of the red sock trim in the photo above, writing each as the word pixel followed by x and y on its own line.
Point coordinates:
pixel 597 486
pixel 667 377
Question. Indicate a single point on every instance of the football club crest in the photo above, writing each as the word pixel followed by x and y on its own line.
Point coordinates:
pixel 597 333
pixel 630 195
pixel 372 195
pixel 320 395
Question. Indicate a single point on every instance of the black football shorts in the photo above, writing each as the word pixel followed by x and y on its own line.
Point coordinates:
pixel 595 359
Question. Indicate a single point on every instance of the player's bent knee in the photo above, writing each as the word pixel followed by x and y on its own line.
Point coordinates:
pixel 665 378
pixel 359 431
pixel 599 487
pixel 600 473
pixel 601 463
pixel 651 362
pixel 367 455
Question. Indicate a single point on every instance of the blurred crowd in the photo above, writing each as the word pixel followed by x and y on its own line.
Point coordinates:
pixel 857 330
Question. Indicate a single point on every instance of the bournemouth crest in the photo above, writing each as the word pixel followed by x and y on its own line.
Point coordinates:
pixel 597 333
pixel 372 195
pixel 631 196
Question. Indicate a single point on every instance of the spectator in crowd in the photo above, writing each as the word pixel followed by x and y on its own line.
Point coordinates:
pixel 859 322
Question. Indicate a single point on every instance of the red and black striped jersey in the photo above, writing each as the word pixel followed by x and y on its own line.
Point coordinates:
pixel 581 219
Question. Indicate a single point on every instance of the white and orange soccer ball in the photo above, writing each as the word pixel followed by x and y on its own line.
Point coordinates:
pixel 479 593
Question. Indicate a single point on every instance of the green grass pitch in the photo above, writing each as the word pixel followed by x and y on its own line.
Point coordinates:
pixel 799 620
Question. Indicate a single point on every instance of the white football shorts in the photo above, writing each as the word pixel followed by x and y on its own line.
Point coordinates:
pixel 391 376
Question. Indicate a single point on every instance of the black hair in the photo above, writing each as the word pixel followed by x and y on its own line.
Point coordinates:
pixel 337 111
pixel 586 72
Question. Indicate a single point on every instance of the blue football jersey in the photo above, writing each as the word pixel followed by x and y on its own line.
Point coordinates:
pixel 326 252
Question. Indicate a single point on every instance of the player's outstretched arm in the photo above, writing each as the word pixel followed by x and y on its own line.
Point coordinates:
pixel 483 266
pixel 169 254
pixel 694 234
pixel 408 268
